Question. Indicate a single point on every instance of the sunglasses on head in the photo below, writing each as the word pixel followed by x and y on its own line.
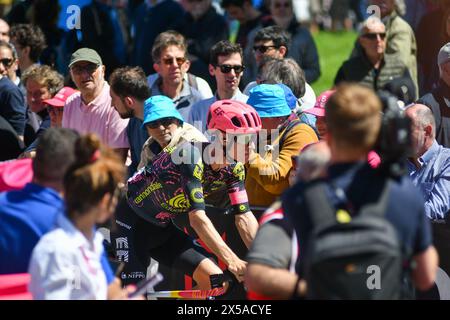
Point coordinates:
pixel 373 36
pixel 89 68
pixel 165 122
pixel 6 62
pixel 263 49
pixel 169 61
pixel 226 68
pixel 279 5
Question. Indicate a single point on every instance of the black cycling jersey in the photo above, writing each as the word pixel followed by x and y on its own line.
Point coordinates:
pixel 178 179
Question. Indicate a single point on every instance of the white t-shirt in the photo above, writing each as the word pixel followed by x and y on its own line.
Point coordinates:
pixel 65 265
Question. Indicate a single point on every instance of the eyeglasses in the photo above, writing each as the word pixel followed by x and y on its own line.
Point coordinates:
pixel 165 122
pixel 179 61
pixel 192 1
pixel 89 68
pixel 373 36
pixel 263 49
pixel 278 5
pixel 6 62
pixel 226 68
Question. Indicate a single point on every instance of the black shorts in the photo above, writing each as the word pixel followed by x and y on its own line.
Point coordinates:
pixel 169 246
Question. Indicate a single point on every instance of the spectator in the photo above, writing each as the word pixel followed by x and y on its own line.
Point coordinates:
pixel 171 64
pixel 267 174
pixel 129 90
pixel 289 73
pixel 274 252
pixel 400 39
pixel 353 119
pixel 438 100
pixel 372 67
pixel 267 42
pixel 429 169
pixel 13 108
pixel 202 27
pixel 302 47
pixel 90 111
pixel 32 211
pixel 55 106
pixel 150 20
pixel 429 165
pixel 319 111
pixel 4 30
pixel 72 252
pixel 248 17
pixel 227 68
pixel 29 42
pixel 9 62
pixel 41 82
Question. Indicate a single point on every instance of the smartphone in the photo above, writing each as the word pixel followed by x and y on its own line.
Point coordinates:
pixel 142 286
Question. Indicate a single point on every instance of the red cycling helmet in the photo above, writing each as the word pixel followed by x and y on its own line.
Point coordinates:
pixel 232 115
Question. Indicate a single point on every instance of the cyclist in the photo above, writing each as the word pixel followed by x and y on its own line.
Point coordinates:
pixel 177 181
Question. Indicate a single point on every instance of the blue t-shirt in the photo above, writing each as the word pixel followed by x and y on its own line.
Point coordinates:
pixel 25 216
pixel 137 135
pixel 362 185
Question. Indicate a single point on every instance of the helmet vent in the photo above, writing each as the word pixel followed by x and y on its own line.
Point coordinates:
pixel 236 122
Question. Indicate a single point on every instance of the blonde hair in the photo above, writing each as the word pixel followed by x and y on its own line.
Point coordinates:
pixel 353 117
pixel 45 76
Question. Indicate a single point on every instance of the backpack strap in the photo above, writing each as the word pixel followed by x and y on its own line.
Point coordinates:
pixel 192 80
pixel 380 206
pixel 318 204
pixel 288 129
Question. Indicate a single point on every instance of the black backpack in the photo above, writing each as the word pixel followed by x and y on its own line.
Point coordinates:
pixel 359 257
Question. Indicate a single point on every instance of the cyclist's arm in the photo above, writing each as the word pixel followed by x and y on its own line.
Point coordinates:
pixel 247 226
pixel 209 235
pixel 245 221
pixel 424 273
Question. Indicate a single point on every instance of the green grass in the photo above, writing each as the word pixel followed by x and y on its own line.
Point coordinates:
pixel 334 48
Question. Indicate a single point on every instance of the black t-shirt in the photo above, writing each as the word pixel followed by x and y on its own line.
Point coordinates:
pixel 405 208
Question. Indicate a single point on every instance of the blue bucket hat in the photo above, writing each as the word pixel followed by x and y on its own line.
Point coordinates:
pixel 158 107
pixel 269 101
pixel 289 95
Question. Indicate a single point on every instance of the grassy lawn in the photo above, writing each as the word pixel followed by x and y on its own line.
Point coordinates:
pixel 334 48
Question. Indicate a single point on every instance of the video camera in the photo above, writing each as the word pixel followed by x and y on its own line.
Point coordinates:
pixel 394 141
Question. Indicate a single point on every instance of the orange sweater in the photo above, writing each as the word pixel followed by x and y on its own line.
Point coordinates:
pixel 267 178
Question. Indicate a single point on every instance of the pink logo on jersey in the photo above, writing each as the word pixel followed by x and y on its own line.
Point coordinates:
pixel 163 216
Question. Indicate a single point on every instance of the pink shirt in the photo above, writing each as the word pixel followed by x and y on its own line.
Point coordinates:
pixel 97 117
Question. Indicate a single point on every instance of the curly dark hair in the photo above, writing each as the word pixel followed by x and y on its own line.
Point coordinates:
pixel 223 48
pixel 27 35
pixel 130 81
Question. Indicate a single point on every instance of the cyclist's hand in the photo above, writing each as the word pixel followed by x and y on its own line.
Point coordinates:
pixel 238 267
